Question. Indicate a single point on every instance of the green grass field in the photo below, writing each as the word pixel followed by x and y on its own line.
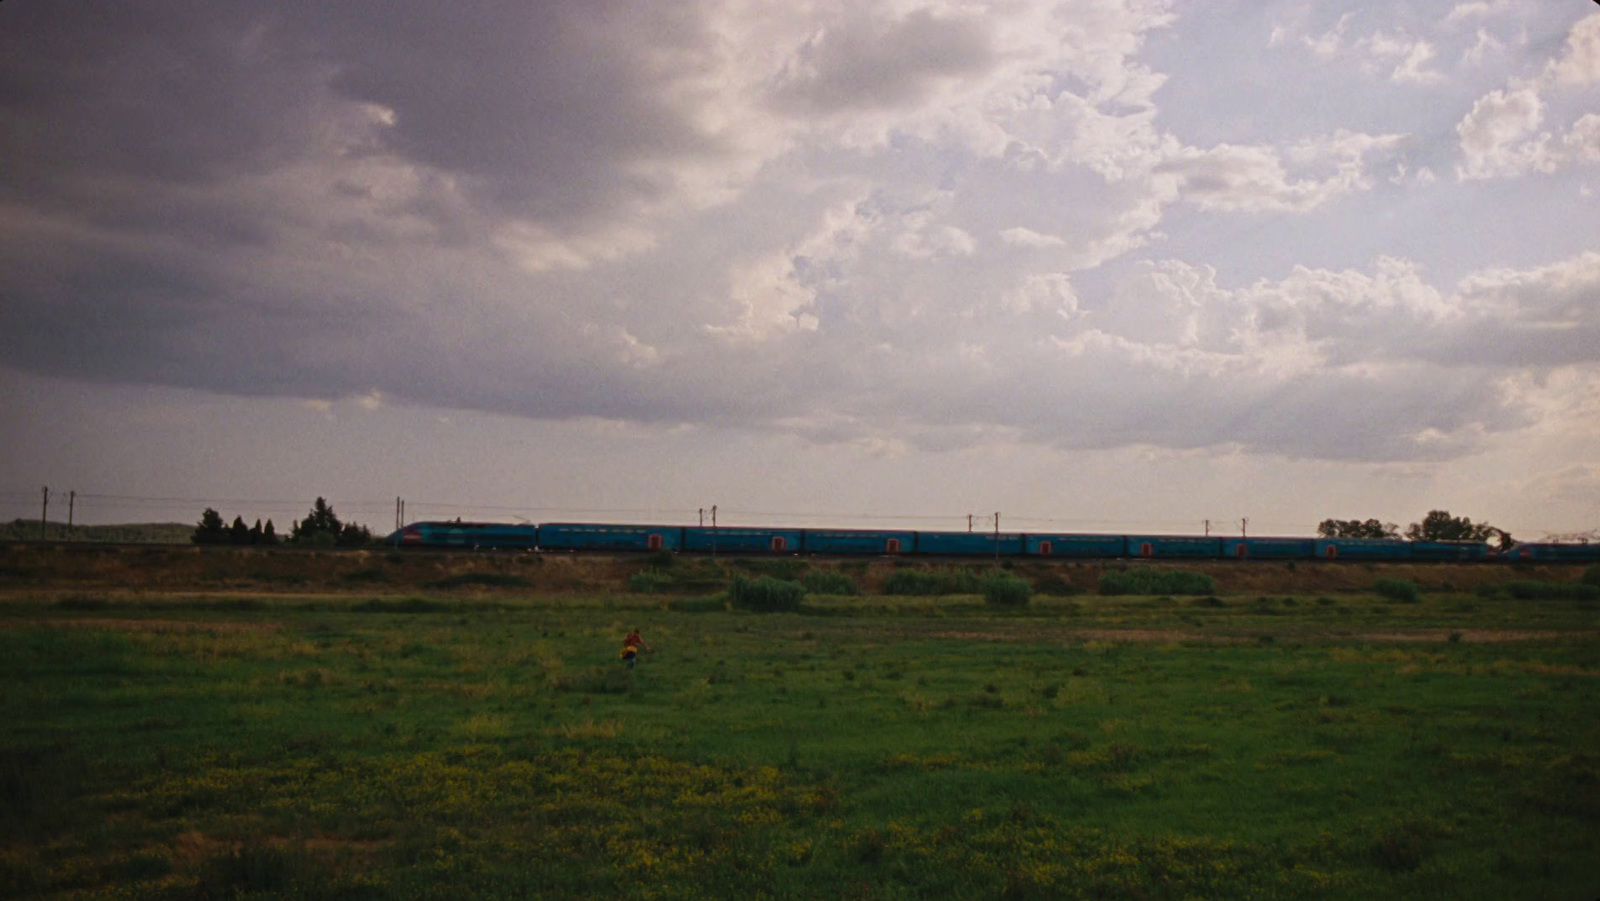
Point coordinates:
pixel 210 747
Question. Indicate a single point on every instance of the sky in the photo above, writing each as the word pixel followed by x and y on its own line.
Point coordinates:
pixel 1092 265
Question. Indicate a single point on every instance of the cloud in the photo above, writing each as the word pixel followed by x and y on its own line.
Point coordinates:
pixel 1400 57
pixel 1254 179
pixel 1501 137
pixel 886 227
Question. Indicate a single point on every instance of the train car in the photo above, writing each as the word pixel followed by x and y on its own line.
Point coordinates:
pixel 742 541
pixel 496 535
pixel 1174 546
pixel 604 537
pixel 1269 548
pixel 1449 550
pixel 970 544
pixel 1530 552
pixel 858 541
pixel 1362 549
pixel 1075 545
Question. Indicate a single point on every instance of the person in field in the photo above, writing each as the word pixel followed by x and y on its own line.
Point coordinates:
pixel 631 646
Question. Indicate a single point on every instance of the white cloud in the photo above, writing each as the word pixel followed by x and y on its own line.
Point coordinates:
pixel 1579 63
pixel 1026 237
pixel 1480 9
pixel 1254 179
pixel 1397 56
pixel 1501 137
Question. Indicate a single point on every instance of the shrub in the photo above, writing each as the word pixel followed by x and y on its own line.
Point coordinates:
pixel 767 594
pixel 1591 576
pixel 1400 590
pixel 1002 589
pixel 918 582
pixel 1148 580
pixel 823 581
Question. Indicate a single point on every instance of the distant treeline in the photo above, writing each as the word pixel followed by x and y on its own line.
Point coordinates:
pixel 320 528
pixel 129 533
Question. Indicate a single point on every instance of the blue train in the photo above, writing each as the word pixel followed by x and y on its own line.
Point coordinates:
pixel 701 539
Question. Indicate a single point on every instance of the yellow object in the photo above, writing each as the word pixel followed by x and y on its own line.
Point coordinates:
pixel 629 651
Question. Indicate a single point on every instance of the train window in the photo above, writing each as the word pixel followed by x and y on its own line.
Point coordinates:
pixel 1046 548
pixel 778 543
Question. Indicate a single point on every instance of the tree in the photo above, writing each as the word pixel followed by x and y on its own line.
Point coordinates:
pixel 210 530
pixel 270 535
pixel 239 533
pixel 256 536
pixel 1439 525
pixel 353 535
pixel 1355 528
pixel 322 527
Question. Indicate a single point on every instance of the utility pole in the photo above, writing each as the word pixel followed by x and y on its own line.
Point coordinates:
pixel 969 522
pixel 72 500
pixel 1244 527
pixel 44 514
pixel 997 538
pixel 1208 528
pixel 702 517
pixel 713 531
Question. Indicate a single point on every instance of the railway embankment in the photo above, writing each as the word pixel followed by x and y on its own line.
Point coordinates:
pixel 41 567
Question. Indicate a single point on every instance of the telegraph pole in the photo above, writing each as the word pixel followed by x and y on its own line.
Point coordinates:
pixel 1244 527
pixel 997 538
pixel 1208 528
pixel 44 514
pixel 713 531
pixel 72 500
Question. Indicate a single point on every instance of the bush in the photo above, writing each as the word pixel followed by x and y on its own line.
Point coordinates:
pixel 918 582
pixel 822 581
pixel 1002 589
pixel 1552 591
pixel 1148 580
pixel 767 594
pixel 1406 592
pixel 1591 576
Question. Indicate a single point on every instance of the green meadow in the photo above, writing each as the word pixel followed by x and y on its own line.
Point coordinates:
pixel 1332 747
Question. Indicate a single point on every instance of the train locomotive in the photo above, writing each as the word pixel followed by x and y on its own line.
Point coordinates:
pixel 877 542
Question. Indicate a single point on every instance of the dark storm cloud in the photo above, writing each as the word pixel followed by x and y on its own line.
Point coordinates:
pixel 154 92
pixel 540 109
pixel 541 106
